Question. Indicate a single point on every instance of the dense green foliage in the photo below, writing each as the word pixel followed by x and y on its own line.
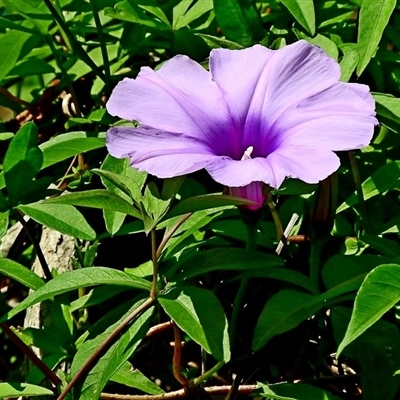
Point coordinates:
pixel 320 319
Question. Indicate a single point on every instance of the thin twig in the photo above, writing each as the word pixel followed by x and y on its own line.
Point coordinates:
pixel 154 258
pixel 36 246
pixel 177 359
pixel 76 46
pixel 179 394
pixel 155 330
pixel 169 234
pixel 104 347
pixel 51 376
pixel 208 374
pixel 100 33
pixel 360 193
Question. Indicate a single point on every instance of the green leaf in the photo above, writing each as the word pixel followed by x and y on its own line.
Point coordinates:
pixel 215 42
pixel 182 17
pixel 374 16
pixel 199 313
pixel 295 391
pixel 349 61
pixel 379 292
pixel 239 21
pixel 60 217
pixel 119 183
pixel 382 180
pixel 204 202
pixel 69 145
pixel 22 162
pixel 20 273
pixel 76 279
pixel 11 44
pixel 387 106
pixel 224 259
pixel 17 389
pixel 129 10
pixel 114 358
pixel 278 273
pixel 98 198
pixel 283 312
pixel 303 11
pixel 131 377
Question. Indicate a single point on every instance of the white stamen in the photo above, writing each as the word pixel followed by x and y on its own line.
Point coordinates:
pixel 247 153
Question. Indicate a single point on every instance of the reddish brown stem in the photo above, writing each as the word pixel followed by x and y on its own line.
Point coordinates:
pixel 179 394
pixel 104 347
pixel 51 376
pixel 177 359
pixel 155 330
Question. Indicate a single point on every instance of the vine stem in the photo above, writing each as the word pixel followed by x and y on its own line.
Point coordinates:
pixel 108 342
pixel 179 394
pixel 169 234
pixel 177 359
pixel 75 45
pixel 106 61
pixel 36 246
pixel 208 374
pixel 51 376
pixel 237 303
pixel 104 346
pixel 360 194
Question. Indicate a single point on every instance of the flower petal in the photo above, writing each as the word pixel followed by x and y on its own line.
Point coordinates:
pixel 180 97
pixel 305 163
pixel 294 73
pixel 237 74
pixel 160 153
pixel 234 173
pixel 339 118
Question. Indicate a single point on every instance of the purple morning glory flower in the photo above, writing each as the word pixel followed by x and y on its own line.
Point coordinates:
pixel 257 117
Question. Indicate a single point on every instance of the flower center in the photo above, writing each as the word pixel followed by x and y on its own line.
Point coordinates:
pixel 247 153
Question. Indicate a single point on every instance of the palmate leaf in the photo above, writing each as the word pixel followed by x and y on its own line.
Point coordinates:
pixel 71 280
pixel 199 313
pixel 379 292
